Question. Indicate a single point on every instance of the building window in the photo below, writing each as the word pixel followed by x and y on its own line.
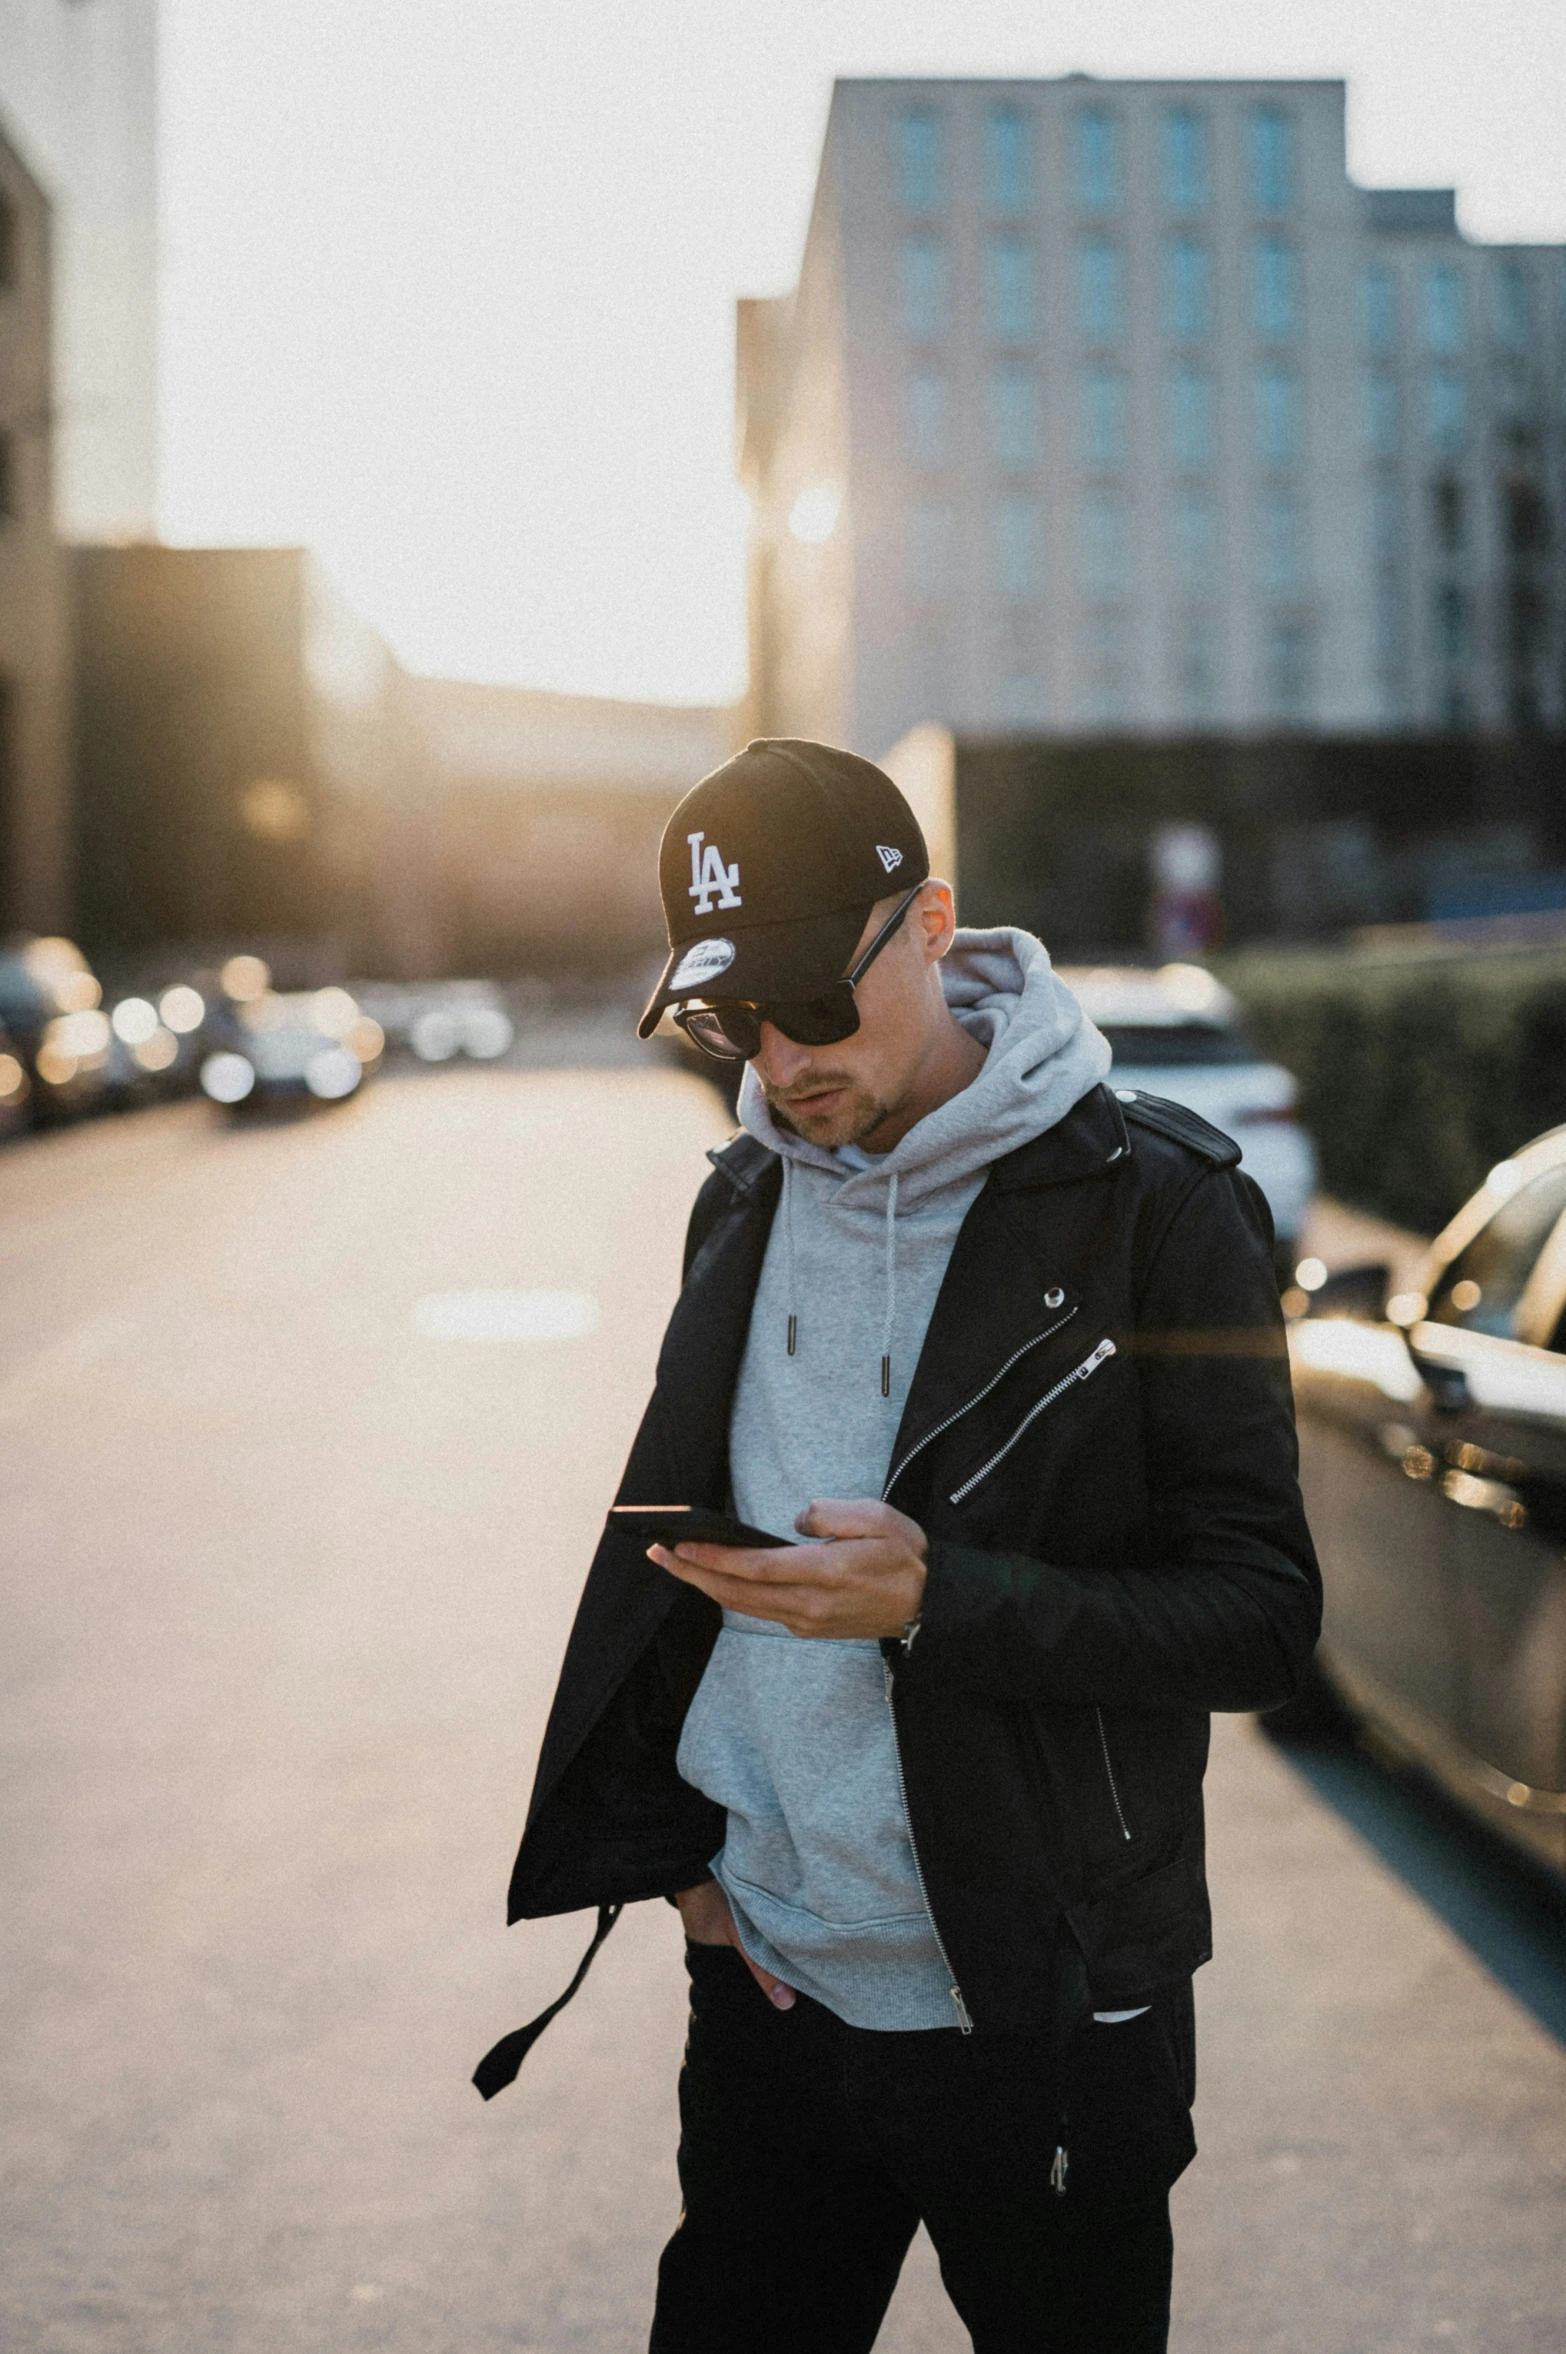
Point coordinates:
pixel 1017 547
pixel 1378 412
pixel 1010 286
pixel 1101 420
pixel 1513 306
pixel 1446 409
pixel 1444 321
pixel 1189 420
pixel 1448 514
pixel 1100 290
pixel 1275 408
pixel 1183 154
pixel 1525 517
pixel 1270 153
pixel 926 416
pixel 1188 288
pixel 1286 667
pixel 921 159
pixel 1104 544
pixel 1275 289
pixel 1281 549
pixel 1193 540
pixel 1095 159
pixel 1014 419
pixel 1196 667
pixel 921 288
pixel 1453 624
pixel 931 545
pixel 1007 159
pixel 1386 521
pixel 1377 308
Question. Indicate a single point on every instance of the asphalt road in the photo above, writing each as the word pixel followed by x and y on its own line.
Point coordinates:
pixel 288 1566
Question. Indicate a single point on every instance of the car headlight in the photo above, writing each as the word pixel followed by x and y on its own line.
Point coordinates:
pixel 227 1078
pixel 333 1073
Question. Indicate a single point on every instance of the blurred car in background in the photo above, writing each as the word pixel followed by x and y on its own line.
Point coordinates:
pixel 436 1021
pixel 51 1006
pixel 156 1043
pixel 264 1045
pixel 16 1088
pixel 1177 1032
pixel 1433 1458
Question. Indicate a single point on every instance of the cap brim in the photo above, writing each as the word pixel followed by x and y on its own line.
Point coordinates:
pixel 797 959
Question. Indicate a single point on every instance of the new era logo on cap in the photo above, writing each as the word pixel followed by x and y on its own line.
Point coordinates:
pixel 891 859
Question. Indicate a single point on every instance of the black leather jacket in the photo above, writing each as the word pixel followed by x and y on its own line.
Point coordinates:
pixel 1099 1445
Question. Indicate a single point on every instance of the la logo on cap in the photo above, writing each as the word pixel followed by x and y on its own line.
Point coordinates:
pixel 709 874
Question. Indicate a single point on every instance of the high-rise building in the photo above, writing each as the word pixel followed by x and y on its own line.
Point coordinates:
pixel 1118 405
pixel 34 603
pixel 78 95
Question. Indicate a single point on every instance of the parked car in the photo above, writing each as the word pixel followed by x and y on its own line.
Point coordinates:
pixel 1178 1032
pixel 15 1088
pixel 1433 1453
pixel 51 1006
pixel 266 1045
pixel 438 1020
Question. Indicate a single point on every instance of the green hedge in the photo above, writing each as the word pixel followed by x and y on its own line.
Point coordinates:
pixel 1417 1072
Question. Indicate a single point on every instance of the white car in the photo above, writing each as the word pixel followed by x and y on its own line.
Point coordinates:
pixel 1177 1032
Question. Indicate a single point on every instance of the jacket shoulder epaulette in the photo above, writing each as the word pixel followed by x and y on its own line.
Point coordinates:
pixel 742 1160
pixel 1178 1121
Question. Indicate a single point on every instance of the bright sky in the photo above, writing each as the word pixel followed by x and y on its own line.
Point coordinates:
pixel 449 284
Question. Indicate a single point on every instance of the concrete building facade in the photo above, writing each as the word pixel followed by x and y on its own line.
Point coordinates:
pixel 34 593
pixel 1118 406
pixel 78 90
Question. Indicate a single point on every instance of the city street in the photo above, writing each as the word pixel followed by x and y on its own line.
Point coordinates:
pixel 309 1427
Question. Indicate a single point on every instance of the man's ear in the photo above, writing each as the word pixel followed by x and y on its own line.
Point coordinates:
pixel 937 913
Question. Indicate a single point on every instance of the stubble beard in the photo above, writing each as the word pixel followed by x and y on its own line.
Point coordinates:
pixel 858 1116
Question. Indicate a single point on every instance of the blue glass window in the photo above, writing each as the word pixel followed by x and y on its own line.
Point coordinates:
pixel 921 159
pixel 1104 548
pixel 926 410
pixel 1281 549
pixel 1017 546
pixel 1183 154
pixel 1100 289
pixel 1007 159
pixel 931 542
pixel 1513 306
pixel 1188 287
pixel 1453 624
pixel 1270 153
pixel 1444 321
pixel 921 287
pixel 1275 397
pixel 1101 422
pixel 1190 420
pixel 1275 289
pixel 1377 308
pixel 1446 410
pixel 1378 412
pixel 1010 286
pixel 1193 538
pixel 1095 159
pixel 1014 418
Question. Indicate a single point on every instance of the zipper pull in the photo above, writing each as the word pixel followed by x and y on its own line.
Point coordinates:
pixel 1106 1348
pixel 961 2008
pixel 1057 2172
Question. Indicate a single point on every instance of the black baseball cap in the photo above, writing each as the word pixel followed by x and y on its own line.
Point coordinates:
pixel 769 868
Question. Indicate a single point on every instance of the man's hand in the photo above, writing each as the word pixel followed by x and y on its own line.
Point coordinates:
pixel 708 1921
pixel 868 1579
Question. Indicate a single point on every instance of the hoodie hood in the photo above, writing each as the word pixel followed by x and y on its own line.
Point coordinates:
pixel 1043 1056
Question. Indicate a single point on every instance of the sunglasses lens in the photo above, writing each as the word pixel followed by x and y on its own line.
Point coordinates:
pixel 731 1035
pixel 817 1021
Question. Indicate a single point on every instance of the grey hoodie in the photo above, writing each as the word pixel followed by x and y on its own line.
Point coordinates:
pixel 794 1737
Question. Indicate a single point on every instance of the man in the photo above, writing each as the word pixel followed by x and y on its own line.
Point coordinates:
pixel 1002 1344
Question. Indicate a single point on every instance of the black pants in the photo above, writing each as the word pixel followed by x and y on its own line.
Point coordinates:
pixel 810 2152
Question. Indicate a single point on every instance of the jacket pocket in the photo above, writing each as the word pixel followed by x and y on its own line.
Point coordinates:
pixel 1144 1933
pixel 1057 1390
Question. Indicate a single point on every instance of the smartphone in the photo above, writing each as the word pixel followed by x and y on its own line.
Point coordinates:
pixel 686 1524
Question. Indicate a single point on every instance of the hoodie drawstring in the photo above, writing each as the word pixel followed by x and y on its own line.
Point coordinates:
pixel 891 1283
pixel 788 1245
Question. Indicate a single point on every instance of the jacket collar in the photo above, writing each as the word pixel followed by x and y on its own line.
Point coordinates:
pixel 1091 1141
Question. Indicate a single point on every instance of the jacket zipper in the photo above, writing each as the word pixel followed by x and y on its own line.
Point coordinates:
pixel 977 1399
pixel 1114 1787
pixel 958 2005
pixel 1089 1365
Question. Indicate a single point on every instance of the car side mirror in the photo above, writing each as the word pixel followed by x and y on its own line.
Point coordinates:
pixel 1352 1291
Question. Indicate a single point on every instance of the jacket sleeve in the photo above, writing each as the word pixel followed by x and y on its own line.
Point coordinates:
pixel 1225 1611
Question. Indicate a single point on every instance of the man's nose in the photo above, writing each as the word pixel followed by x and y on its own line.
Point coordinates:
pixel 781 1060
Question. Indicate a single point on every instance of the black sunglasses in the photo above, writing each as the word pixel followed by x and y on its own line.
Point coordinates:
pixel 730 1030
